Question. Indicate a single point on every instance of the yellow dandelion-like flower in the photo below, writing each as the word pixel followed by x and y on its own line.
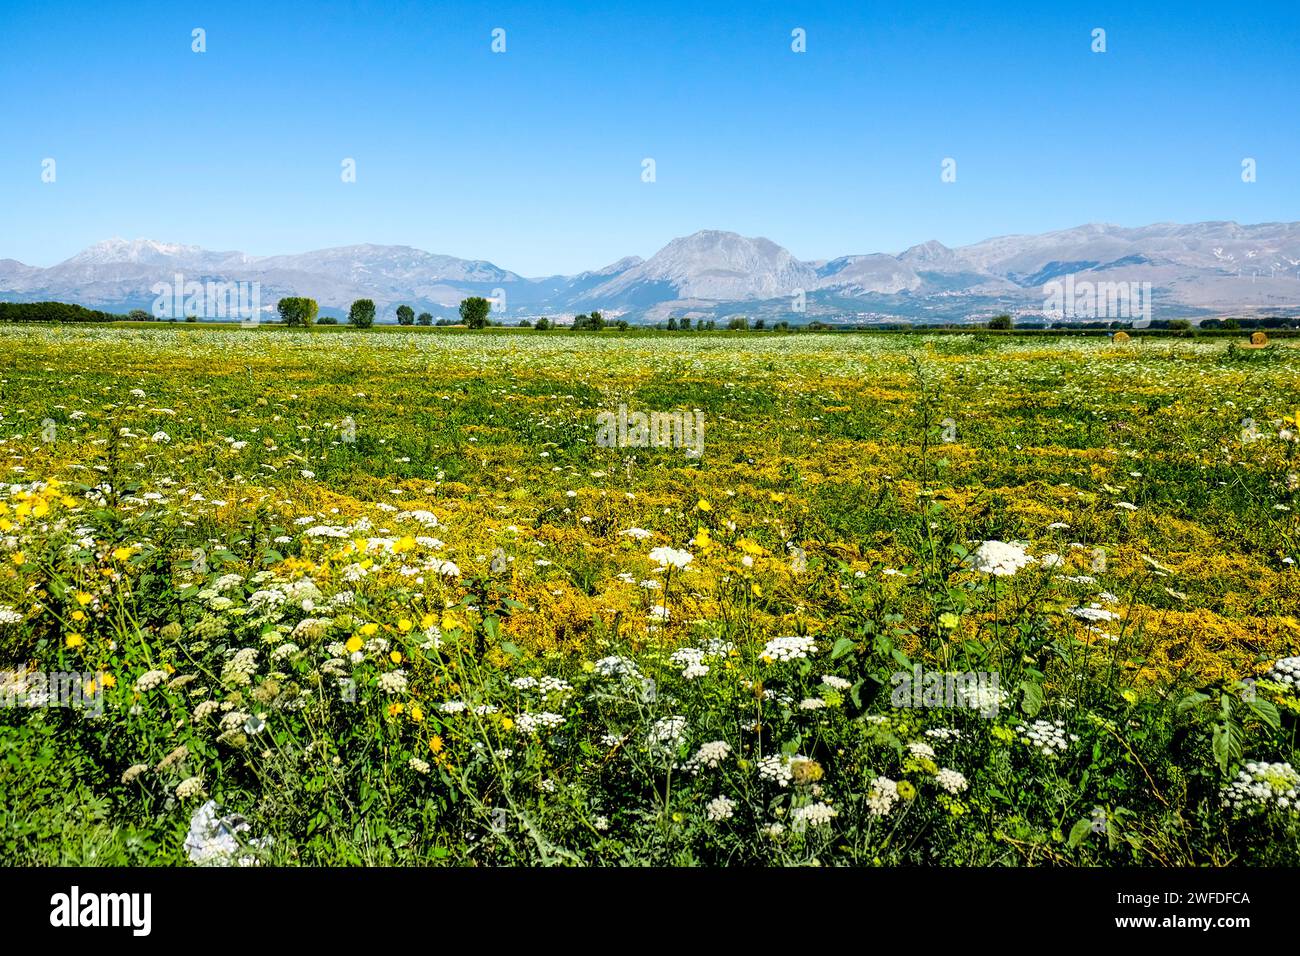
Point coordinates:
pixel 405 625
pixel 370 629
pixel 73 641
pixel 18 558
pixel 354 644
pixel 395 657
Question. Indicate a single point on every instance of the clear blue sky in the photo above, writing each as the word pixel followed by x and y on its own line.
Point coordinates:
pixel 532 158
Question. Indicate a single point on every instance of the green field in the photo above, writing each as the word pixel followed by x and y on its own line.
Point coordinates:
pixel 388 598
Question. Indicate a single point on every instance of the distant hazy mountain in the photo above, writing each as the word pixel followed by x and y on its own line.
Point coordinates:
pixel 709 265
pixel 1196 269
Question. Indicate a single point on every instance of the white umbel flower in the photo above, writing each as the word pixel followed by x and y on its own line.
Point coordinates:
pixel 189 787
pixel 788 648
pixel 882 795
pixel 393 682
pixel 950 780
pixel 720 808
pixel 1285 671
pixel 1262 786
pixel 813 815
pixel 671 557
pixel 1048 737
pixel 710 755
pixel 149 680
pixel 999 558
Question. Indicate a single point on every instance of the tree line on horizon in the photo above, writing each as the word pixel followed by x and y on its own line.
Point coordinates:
pixel 475 313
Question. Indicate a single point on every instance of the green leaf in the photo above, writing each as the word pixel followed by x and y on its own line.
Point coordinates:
pixel 842 647
pixel 1266 711
pixel 1079 832
pixel 1031 701
pixel 1226 744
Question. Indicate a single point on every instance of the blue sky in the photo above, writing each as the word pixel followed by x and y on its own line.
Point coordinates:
pixel 533 158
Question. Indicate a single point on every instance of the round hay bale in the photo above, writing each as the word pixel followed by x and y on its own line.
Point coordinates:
pixel 1120 337
pixel 1258 338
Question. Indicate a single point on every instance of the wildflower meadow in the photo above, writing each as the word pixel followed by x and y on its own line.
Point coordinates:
pixel 320 597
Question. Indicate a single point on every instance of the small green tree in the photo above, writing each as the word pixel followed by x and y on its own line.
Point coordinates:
pixel 542 324
pixel 405 315
pixel 362 313
pixel 738 324
pixel 474 312
pixel 297 311
pixel 1001 323
pixel 425 319
pixel 672 323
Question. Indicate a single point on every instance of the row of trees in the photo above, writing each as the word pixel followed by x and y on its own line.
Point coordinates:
pixel 51 312
pixel 475 312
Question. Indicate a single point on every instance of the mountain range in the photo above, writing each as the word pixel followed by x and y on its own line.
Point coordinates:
pixel 1195 270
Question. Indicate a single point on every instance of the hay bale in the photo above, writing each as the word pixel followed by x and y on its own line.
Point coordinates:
pixel 1120 337
pixel 1258 338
